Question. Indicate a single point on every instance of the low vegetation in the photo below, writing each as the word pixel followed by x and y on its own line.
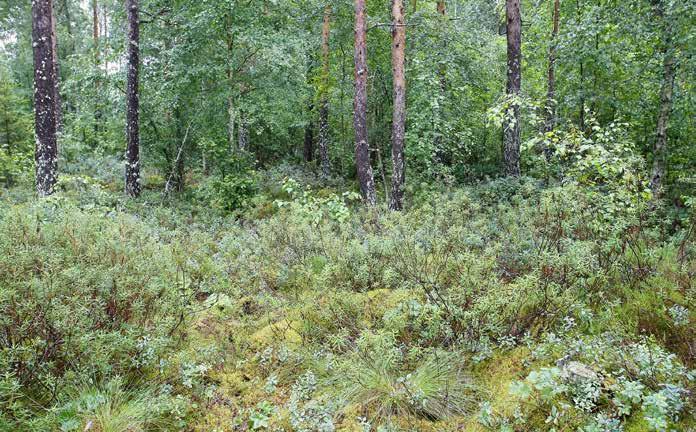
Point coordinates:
pixel 509 305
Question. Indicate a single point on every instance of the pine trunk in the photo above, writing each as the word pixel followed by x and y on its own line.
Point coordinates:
pixel 324 96
pixel 132 96
pixel 399 111
pixel 45 104
pixel 362 149
pixel 511 126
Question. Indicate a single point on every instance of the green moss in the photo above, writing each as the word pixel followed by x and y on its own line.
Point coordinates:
pixel 281 331
pixel 497 373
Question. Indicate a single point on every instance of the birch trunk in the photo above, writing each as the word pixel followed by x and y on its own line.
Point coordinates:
pixel 362 149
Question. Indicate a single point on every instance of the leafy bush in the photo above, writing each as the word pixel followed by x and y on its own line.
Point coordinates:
pixel 16 143
pixel 234 186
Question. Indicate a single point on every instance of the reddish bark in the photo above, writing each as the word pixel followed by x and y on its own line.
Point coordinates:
pixel 399 111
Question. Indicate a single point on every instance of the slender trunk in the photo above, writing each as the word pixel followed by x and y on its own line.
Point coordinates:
pixel 324 97
pixel 581 121
pixel 132 96
pixel 659 169
pixel 178 176
pixel 56 69
pixel 399 111
pixel 44 96
pixel 511 126
pixel 550 122
pixel 362 149
pixel 95 27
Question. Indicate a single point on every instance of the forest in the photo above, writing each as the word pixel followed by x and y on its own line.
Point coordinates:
pixel 348 215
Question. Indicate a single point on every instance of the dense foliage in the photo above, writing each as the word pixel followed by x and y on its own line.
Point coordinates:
pixel 250 288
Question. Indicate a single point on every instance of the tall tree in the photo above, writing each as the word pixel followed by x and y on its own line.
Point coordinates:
pixel 95 27
pixel 324 94
pixel 45 103
pixel 659 169
pixel 399 111
pixel 511 125
pixel 133 100
pixel 550 120
pixel 362 149
pixel 56 68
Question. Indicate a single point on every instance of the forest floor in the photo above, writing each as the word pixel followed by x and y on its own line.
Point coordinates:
pixel 508 305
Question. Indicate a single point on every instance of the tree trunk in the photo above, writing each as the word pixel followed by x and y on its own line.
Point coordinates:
pixel 362 149
pixel 324 95
pixel 511 126
pixel 550 121
pixel 95 27
pixel 56 69
pixel 44 96
pixel 132 96
pixel 659 169
pixel 399 111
